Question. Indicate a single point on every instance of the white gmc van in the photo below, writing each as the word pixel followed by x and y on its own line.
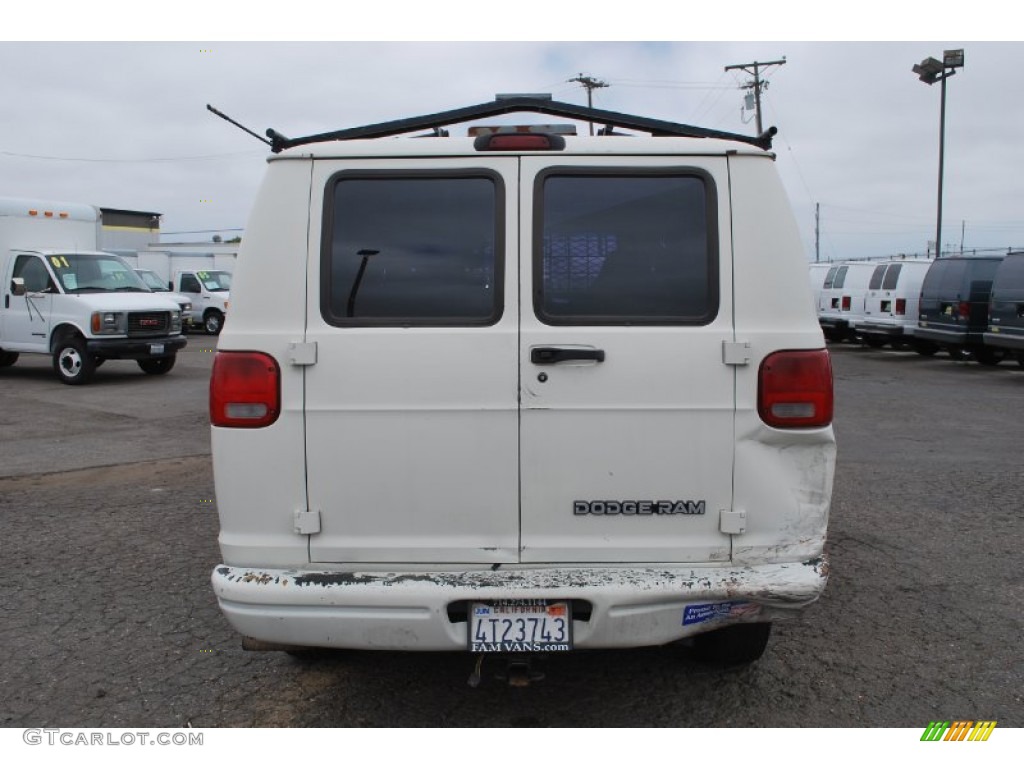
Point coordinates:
pixel 523 392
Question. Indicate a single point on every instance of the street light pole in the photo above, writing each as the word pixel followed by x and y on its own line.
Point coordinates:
pixel 942 156
pixel 931 71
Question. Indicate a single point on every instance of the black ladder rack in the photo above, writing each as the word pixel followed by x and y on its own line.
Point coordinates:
pixel 503 106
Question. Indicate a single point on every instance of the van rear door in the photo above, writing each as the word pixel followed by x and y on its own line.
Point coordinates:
pixel 411 406
pixel 627 403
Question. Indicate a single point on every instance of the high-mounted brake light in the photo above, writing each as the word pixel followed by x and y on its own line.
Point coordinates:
pixel 245 390
pixel 795 389
pixel 518 142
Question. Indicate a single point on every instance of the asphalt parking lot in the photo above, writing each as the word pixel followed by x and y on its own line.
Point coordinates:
pixel 109 535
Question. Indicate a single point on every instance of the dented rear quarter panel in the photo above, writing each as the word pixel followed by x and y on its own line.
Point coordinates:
pixel 782 478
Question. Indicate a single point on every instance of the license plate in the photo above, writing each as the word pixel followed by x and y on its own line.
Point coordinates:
pixel 156 349
pixel 516 626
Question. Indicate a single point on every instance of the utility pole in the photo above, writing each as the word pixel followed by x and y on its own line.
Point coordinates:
pixel 590 84
pixel 758 84
pixel 817 232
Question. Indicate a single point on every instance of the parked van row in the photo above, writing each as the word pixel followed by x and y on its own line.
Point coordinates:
pixel 874 301
pixel 972 307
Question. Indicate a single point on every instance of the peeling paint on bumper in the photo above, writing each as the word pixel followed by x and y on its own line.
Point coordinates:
pixel 632 606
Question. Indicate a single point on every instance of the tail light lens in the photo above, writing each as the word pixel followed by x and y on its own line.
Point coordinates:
pixel 963 309
pixel 901 306
pixel 795 389
pixel 245 390
pixel 846 303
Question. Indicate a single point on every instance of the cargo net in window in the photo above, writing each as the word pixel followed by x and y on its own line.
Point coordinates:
pixel 573 262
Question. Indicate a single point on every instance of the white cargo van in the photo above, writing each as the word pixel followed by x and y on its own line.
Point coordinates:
pixel 891 305
pixel 64 298
pixel 841 301
pixel 816 273
pixel 524 392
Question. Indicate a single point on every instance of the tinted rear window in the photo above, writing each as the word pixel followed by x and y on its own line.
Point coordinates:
pixel 830 277
pixel 629 247
pixel 412 250
pixel 840 278
pixel 1011 272
pixel 953 278
pixel 892 276
pixel 876 278
pixel 934 279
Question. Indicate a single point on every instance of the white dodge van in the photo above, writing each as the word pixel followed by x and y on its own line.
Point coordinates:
pixel 521 392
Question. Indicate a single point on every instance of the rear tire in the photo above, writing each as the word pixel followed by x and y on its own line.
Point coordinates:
pixel 158 366
pixel 72 361
pixel 874 342
pixel 732 646
pixel 925 348
pixel 8 358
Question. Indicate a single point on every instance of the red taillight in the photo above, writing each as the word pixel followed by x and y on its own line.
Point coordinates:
pixel 245 390
pixel 795 389
pixel 963 309
pixel 846 303
pixel 901 306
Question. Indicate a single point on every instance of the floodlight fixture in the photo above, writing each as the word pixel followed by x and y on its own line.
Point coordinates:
pixel 931 71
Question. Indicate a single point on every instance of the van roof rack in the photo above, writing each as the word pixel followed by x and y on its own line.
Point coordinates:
pixel 505 104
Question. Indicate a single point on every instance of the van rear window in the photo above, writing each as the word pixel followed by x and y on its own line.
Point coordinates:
pixel 1011 272
pixel 840 278
pixel 892 276
pixel 412 250
pixel 830 277
pixel 876 278
pixel 625 247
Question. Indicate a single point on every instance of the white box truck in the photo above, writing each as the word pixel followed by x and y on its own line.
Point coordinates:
pixel 63 297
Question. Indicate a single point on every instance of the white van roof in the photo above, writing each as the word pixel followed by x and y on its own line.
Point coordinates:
pixel 574 145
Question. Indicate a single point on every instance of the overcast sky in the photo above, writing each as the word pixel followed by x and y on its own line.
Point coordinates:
pixel 124 124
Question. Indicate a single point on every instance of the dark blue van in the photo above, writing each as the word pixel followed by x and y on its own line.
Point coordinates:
pixel 954 306
pixel 1006 308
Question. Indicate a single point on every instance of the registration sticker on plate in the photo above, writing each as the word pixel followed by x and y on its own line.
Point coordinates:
pixel 516 626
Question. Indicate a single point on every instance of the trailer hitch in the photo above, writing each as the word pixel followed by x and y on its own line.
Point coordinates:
pixel 518 671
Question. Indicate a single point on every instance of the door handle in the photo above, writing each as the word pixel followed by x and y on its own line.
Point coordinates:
pixel 552 355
